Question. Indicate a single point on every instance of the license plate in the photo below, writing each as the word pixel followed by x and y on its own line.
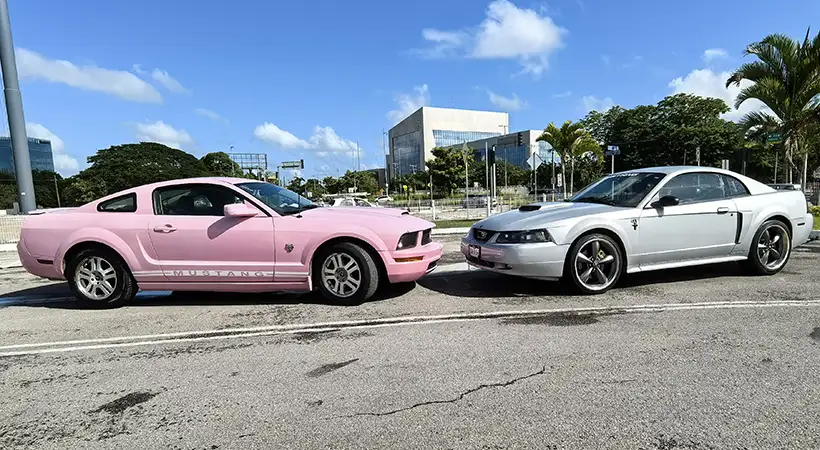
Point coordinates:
pixel 475 251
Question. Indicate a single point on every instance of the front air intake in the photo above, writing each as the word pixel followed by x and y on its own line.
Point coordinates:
pixel 528 208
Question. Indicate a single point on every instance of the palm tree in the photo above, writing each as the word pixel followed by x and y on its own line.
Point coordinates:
pixel 563 140
pixel 786 78
pixel 758 134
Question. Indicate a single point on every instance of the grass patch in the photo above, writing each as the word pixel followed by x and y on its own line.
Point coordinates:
pixel 469 223
pixel 817 222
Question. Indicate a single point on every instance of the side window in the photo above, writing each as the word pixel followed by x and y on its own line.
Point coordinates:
pixel 348 202
pixel 125 203
pixel 362 203
pixel 695 187
pixel 193 200
pixel 734 188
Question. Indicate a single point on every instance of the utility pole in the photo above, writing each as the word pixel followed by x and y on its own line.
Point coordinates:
pixel 14 109
pixel 57 192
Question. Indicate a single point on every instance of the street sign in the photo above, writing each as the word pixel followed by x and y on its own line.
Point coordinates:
pixel 774 137
pixel 534 161
pixel 293 164
pixel 612 150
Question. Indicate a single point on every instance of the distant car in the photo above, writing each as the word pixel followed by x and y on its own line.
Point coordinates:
pixel 351 201
pixel 643 220
pixel 785 187
pixel 384 199
pixel 223 234
pixel 477 201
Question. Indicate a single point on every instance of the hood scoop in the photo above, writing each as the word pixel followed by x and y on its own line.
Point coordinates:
pixel 529 208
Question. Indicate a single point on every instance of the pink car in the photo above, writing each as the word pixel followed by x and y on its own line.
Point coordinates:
pixel 226 235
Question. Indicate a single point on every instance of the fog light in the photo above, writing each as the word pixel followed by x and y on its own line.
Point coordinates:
pixel 411 259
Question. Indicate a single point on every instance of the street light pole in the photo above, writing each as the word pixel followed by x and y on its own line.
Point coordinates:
pixel 14 109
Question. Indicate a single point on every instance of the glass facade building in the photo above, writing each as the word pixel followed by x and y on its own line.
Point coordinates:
pixel 407 151
pixel 446 138
pixel 42 157
pixel 518 155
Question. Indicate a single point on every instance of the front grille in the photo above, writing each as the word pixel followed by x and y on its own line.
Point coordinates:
pixel 425 237
pixel 482 235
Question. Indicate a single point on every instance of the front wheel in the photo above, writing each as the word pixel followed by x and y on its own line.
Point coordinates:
pixel 594 263
pixel 770 249
pixel 99 278
pixel 346 274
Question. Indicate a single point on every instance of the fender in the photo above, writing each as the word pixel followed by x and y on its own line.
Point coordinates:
pixel 101 236
pixel 355 232
pixel 595 223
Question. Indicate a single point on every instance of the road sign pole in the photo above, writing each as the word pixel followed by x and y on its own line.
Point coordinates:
pixel 613 164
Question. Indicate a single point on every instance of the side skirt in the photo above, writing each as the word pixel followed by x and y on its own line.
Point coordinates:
pixel 303 286
pixel 687 263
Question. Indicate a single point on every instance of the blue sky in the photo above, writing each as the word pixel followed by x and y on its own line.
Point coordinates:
pixel 309 79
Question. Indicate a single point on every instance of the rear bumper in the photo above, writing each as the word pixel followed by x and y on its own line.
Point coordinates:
pixel 802 229
pixel 410 265
pixel 41 266
pixel 539 261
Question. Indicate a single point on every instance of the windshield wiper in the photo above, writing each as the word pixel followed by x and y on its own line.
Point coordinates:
pixel 599 200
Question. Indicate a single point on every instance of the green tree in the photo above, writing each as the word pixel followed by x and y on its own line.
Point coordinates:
pixel 221 165
pixel 786 78
pixel 316 188
pixel 332 185
pixel 447 168
pixel 563 140
pixel 297 185
pixel 362 181
pixel 125 166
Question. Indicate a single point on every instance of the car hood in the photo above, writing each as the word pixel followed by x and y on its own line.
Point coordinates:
pixel 541 215
pixel 372 218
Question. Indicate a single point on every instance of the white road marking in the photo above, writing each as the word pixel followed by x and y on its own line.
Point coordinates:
pixel 231 333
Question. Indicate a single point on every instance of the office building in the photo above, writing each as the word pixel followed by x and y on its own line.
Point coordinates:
pixel 381 176
pixel 412 140
pixel 514 148
pixel 39 151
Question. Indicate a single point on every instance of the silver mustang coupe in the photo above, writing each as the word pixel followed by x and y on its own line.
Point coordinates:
pixel 641 220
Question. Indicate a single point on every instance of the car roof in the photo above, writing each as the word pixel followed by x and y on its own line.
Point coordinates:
pixel 754 186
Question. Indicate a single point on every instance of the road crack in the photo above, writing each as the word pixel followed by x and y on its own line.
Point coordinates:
pixel 453 400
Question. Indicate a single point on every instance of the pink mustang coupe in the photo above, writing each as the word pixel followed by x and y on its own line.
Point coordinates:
pixel 227 235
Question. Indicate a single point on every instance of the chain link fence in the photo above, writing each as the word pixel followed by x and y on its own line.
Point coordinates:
pixel 10 228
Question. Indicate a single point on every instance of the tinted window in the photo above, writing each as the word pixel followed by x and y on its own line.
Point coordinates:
pixel 281 200
pixel 734 188
pixel 194 200
pixel 126 203
pixel 695 187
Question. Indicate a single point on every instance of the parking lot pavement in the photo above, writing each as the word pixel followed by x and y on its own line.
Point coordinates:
pixel 689 379
pixel 34 310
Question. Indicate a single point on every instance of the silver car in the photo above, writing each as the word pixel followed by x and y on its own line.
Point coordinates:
pixel 642 220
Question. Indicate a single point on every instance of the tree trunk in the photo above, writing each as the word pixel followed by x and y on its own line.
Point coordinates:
pixel 572 176
pixel 564 173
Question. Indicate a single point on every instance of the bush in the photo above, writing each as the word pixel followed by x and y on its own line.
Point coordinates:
pixel 814 210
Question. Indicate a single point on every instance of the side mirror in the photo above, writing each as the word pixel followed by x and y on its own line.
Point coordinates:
pixel 666 200
pixel 240 210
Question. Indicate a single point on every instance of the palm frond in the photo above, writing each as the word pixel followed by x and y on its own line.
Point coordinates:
pixel 761 120
pixel 770 91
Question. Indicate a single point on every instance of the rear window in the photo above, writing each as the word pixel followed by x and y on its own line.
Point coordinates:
pixel 125 203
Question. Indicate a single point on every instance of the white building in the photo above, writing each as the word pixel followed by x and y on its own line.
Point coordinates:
pixel 412 140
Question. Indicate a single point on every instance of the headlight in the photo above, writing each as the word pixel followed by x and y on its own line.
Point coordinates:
pixel 408 240
pixel 523 237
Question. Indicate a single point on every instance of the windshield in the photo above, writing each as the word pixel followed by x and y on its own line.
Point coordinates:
pixel 281 200
pixel 621 189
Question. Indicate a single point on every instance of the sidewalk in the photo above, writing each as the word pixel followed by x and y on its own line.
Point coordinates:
pixel 9 259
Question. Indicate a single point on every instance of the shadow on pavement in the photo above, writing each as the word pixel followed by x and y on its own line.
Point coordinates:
pixel 476 283
pixel 59 296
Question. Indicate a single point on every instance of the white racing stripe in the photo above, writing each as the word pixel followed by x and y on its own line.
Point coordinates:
pixel 231 333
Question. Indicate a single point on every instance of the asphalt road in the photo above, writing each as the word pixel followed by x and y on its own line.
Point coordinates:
pixel 718 360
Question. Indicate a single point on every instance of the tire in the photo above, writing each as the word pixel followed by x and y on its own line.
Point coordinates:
pixel 337 285
pixel 777 250
pixel 592 266
pixel 88 277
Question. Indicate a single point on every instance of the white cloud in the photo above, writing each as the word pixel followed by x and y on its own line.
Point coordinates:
pixel 164 134
pixel 706 83
pixel 120 83
pixel 169 82
pixel 508 32
pixel 562 95
pixel 63 162
pixel 592 103
pixel 324 140
pixel 408 103
pixel 210 114
pixel 507 103
pixel 138 69
pixel 714 53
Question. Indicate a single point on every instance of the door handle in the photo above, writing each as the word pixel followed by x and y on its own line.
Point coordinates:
pixel 723 210
pixel 167 228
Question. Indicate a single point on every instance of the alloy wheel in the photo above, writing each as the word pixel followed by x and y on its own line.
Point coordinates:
pixel 773 246
pixel 341 274
pixel 597 264
pixel 96 278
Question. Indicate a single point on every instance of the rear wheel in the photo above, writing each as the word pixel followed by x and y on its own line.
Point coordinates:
pixel 99 278
pixel 771 248
pixel 346 274
pixel 594 263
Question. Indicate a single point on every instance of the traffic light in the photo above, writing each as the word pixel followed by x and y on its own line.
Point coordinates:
pixel 491 156
pixel 519 141
pixel 302 162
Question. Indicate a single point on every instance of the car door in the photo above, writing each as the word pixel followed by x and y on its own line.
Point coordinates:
pixel 195 242
pixel 703 224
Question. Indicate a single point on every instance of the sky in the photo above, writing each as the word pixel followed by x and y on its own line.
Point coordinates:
pixel 319 79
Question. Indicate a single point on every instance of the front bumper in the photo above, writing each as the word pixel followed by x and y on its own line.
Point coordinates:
pixel 543 261
pixel 404 266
